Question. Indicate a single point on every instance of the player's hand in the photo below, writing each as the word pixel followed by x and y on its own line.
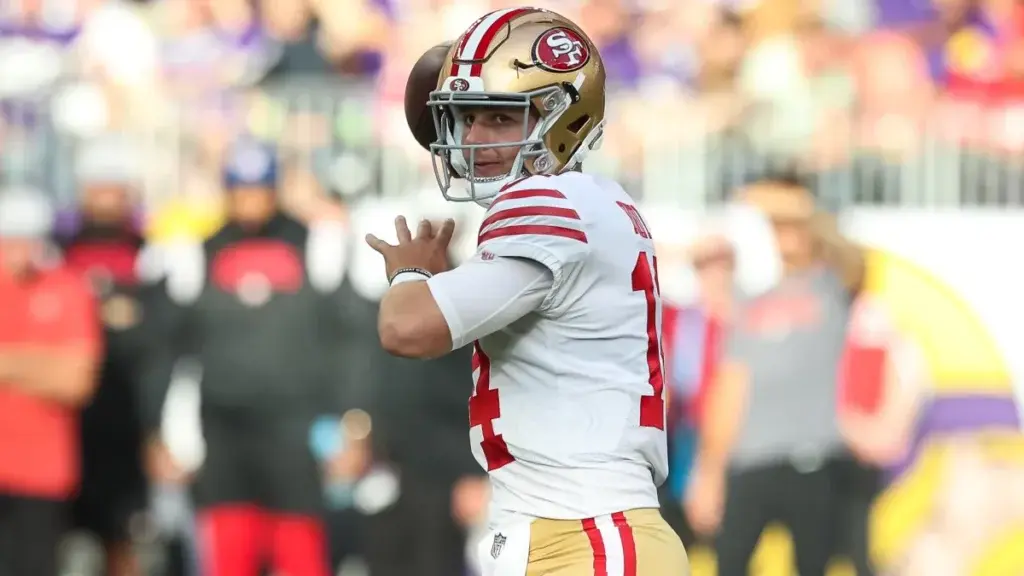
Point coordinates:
pixel 705 500
pixel 428 250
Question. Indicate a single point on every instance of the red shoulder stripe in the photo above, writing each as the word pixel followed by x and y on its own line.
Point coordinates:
pixel 528 193
pixel 526 230
pixel 524 211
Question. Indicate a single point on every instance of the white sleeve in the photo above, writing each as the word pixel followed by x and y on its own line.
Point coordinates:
pixel 483 296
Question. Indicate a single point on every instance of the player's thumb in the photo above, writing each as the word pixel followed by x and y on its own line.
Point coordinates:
pixel 376 243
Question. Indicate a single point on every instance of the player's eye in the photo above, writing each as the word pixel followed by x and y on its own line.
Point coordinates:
pixel 468 119
pixel 502 119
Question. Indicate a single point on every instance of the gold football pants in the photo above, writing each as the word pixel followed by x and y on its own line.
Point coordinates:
pixel 632 543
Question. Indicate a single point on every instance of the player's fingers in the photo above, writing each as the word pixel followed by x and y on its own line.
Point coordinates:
pixel 377 244
pixel 402 229
pixel 425 230
pixel 444 235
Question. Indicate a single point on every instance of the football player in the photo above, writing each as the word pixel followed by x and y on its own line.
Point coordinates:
pixel 560 303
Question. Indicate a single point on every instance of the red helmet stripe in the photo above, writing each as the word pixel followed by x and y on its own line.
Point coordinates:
pixel 462 45
pixel 478 38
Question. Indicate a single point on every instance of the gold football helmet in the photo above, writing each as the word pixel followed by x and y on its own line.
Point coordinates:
pixel 525 58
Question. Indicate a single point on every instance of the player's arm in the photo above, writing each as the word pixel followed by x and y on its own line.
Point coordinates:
pixel 424 318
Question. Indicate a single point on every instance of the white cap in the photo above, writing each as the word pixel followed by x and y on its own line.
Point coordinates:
pixel 25 212
pixel 109 159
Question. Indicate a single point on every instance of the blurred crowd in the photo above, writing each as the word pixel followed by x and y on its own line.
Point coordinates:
pixel 276 127
pixel 889 100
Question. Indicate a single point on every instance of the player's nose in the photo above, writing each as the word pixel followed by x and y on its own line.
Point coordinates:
pixel 476 134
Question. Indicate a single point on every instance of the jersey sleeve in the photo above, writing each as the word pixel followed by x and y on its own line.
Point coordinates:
pixel 538 223
pixel 504 290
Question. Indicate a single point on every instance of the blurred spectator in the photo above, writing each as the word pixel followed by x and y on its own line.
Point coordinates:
pixel 211 46
pixel 442 493
pixel 692 339
pixel 881 392
pixel 257 306
pixel 102 243
pixel 115 86
pixel 355 33
pixel 292 24
pixel 422 430
pixel 607 22
pixel 49 350
pixel 881 385
pixel 795 76
pixel 770 430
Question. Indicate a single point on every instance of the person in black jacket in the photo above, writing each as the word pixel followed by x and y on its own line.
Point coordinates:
pixel 102 242
pixel 420 430
pixel 256 305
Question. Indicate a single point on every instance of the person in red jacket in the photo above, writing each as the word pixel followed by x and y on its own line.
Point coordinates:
pixel 49 351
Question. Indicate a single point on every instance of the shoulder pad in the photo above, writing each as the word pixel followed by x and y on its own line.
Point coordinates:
pixel 535 220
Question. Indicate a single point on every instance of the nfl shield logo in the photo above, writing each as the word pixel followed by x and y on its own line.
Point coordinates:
pixel 497 545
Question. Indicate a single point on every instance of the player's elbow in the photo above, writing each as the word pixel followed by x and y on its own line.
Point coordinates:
pixel 406 335
pixel 411 325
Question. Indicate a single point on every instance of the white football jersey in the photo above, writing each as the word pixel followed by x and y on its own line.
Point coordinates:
pixel 567 414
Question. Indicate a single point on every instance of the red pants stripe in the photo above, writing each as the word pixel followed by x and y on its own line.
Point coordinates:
pixel 611 541
pixel 240 539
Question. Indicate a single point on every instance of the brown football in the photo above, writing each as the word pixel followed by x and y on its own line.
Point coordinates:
pixel 422 81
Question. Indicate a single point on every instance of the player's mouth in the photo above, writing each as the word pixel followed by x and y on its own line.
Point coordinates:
pixel 488 169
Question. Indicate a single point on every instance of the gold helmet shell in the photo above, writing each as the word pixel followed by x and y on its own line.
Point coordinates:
pixel 529 58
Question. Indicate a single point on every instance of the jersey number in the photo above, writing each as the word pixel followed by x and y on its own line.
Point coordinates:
pixel 484 409
pixel 645 279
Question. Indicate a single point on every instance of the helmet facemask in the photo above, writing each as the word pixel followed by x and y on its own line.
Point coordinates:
pixel 453 159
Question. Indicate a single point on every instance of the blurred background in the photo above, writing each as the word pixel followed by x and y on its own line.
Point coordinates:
pixel 904 118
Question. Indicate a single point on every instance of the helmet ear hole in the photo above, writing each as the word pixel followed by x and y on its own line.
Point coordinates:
pixel 577 125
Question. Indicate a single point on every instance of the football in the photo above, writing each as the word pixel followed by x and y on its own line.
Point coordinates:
pixel 422 81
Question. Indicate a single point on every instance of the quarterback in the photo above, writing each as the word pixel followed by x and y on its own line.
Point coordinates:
pixel 560 303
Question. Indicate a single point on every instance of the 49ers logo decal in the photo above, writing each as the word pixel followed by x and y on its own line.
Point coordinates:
pixel 560 50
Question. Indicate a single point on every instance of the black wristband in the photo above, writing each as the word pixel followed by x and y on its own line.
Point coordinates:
pixel 421 271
